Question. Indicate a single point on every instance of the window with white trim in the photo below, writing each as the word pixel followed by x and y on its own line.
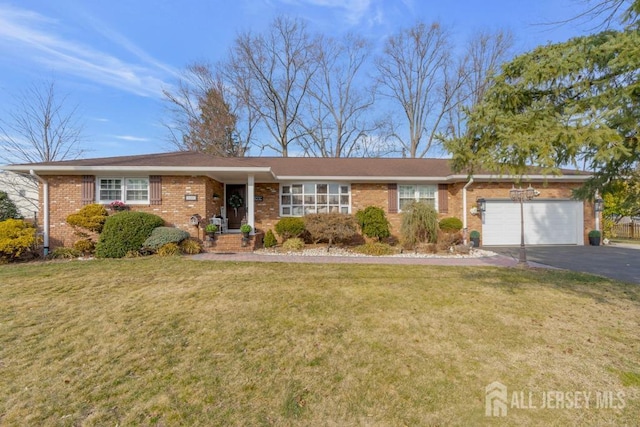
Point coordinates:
pixel 311 197
pixel 417 193
pixel 128 190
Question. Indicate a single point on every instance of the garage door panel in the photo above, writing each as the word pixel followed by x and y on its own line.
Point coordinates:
pixel 547 222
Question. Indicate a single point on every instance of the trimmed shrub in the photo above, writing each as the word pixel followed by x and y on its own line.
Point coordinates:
pixel 17 239
pixel 293 244
pixel 8 209
pixel 160 236
pixel 290 227
pixel 270 239
pixel 373 222
pixel 126 231
pixel 85 246
pixel 64 253
pixel 419 224
pixel 90 217
pixel 169 249
pixel 375 248
pixel 330 227
pixel 450 225
pixel 190 246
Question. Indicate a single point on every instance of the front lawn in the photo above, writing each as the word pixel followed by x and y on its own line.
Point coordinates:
pixel 173 341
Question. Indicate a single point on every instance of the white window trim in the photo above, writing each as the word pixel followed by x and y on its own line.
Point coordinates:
pixel 124 190
pixel 283 184
pixel 417 194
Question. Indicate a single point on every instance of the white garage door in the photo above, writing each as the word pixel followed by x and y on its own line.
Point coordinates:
pixel 546 222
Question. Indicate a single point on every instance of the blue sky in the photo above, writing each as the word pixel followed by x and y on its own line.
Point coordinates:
pixel 113 58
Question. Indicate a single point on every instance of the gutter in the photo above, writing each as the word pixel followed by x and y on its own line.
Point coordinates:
pixel 45 216
pixel 465 231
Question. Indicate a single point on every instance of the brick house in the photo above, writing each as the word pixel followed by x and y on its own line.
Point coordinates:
pixel 177 186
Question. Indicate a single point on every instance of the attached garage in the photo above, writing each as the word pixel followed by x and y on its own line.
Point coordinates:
pixel 546 222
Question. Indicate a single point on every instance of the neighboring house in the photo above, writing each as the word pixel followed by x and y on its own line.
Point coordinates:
pixel 177 186
pixel 22 190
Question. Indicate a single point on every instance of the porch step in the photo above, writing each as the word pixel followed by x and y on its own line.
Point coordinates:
pixel 232 242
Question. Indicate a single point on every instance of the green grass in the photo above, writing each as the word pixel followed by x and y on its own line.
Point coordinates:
pixel 173 341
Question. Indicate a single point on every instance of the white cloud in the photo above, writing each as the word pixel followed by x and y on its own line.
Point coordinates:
pixel 34 37
pixel 354 10
pixel 131 138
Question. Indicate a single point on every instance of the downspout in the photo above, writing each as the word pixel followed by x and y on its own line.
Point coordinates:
pixel 45 216
pixel 465 231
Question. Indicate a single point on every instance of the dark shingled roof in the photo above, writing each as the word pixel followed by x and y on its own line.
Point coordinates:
pixel 280 166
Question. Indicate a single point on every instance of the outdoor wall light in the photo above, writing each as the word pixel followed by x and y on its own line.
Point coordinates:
pixel 599 205
pixel 482 204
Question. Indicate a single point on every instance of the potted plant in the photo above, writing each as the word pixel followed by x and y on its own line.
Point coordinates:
pixel 594 237
pixel 117 205
pixel 211 229
pixel 245 229
pixel 475 238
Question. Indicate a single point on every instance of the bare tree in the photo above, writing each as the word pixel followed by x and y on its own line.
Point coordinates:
pixel 415 70
pixel 276 68
pixel 40 127
pixel 339 103
pixel 202 118
pixel 485 52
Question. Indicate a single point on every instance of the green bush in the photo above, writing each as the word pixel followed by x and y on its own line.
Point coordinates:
pixel 64 253
pixel 17 239
pixel 373 222
pixel 290 227
pixel 190 246
pixel 90 217
pixel 270 239
pixel 85 246
pixel 450 225
pixel 475 234
pixel 160 236
pixel 419 224
pixel 125 231
pixel 8 209
pixel 169 249
pixel 375 248
pixel 330 227
pixel 594 234
pixel 293 244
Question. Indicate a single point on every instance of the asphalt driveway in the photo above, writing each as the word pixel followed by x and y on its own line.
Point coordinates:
pixel 620 262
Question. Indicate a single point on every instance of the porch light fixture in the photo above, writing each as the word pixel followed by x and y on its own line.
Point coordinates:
pixel 599 205
pixel 481 204
pixel 522 195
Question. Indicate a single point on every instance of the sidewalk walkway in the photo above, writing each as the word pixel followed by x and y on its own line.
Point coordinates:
pixel 495 260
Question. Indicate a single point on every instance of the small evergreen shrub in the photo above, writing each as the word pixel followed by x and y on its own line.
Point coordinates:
pixel 270 239
pixel 419 224
pixel 169 249
pixel 594 234
pixel 8 209
pixel 190 246
pixel 64 253
pixel 330 227
pixel 293 244
pixel 90 217
pixel 160 236
pixel 17 239
pixel 375 249
pixel 475 234
pixel 85 246
pixel 290 227
pixel 373 222
pixel 450 225
pixel 125 231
